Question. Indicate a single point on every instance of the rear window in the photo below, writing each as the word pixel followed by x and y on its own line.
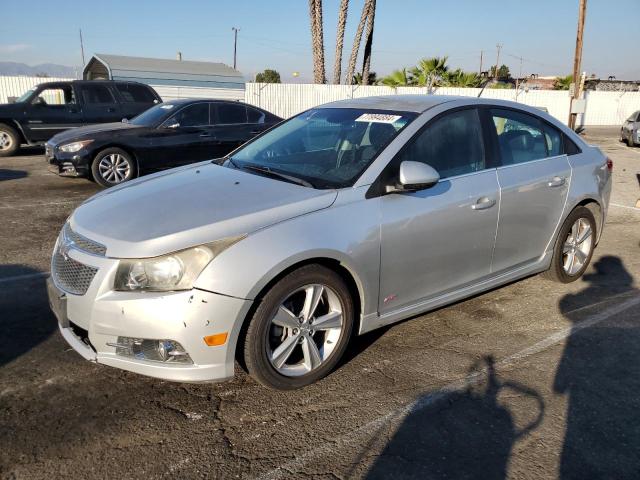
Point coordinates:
pixel 135 93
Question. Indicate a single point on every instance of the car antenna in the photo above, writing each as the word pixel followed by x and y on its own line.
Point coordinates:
pixel 483 86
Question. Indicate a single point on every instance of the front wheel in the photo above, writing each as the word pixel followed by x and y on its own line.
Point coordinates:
pixel 9 140
pixel 300 330
pixel 574 246
pixel 113 166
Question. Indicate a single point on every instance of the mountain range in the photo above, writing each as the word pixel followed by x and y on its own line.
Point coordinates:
pixel 44 70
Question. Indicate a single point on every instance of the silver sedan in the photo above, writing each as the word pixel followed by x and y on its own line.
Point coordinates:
pixel 343 219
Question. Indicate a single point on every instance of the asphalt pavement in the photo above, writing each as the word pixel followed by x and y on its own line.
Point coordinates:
pixel 533 380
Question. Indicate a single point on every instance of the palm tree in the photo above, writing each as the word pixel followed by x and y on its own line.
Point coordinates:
pixel 460 78
pixel 397 78
pixel 563 83
pixel 372 80
pixel 430 72
pixel 342 21
pixel 366 60
pixel 356 42
pixel 317 42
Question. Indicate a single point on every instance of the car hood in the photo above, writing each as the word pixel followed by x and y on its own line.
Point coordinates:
pixel 81 133
pixel 190 206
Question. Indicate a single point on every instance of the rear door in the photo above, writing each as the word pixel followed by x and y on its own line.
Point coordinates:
pixel 440 239
pixel 534 179
pixel 52 109
pixel 98 103
pixel 231 126
pixel 134 98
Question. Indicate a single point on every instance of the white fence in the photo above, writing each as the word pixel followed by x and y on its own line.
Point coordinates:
pixel 603 108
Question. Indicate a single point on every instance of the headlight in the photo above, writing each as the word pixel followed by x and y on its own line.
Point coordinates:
pixel 75 146
pixel 176 271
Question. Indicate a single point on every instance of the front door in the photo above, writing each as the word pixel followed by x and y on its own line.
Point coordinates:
pixel 439 239
pixel 534 182
pixel 51 110
pixel 183 138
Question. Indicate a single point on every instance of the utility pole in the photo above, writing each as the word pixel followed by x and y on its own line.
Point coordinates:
pixel 480 72
pixel 498 48
pixel 235 44
pixel 577 60
pixel 81 48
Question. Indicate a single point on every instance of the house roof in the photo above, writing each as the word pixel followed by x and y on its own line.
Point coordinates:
pixel 161 71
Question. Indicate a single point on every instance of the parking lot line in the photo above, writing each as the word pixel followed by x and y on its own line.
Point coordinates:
pixel 370 428
pixel 625 206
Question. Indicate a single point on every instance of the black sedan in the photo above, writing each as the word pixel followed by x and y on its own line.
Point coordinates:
pixel 167 135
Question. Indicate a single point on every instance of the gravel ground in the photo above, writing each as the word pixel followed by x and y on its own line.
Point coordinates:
pixel 532 380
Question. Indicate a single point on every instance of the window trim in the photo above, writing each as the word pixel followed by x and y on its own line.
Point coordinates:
pixel 377 188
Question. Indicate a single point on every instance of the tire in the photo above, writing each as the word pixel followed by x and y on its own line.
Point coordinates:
pixel 273 329
pixel 9 140
pixel 103 171
pixel 563 269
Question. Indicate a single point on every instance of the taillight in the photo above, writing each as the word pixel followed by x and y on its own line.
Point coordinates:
pixel 609 164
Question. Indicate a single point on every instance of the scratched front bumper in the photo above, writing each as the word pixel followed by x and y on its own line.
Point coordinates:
pixel 186 317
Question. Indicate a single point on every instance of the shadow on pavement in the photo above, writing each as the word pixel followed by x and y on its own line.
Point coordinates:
pixel 25 318
pixel 12 174
pixel 600 375
pixel 462 435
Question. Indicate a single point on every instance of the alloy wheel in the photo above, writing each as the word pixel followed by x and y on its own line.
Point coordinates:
pixel 577 246
pixel 114 168
pixel 305 330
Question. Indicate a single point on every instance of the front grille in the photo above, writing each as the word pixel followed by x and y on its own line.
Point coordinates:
pixel 70 275
pixel 83 243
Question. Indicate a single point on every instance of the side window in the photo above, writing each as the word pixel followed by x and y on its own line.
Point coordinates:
pixel 135 93
pixel 254 115
pixel 229 113
pixel 54 96
pixel 570 148
pixel 92 94
pixel 554 141
pixel 452 144
pixel 195 115
pixel 520 136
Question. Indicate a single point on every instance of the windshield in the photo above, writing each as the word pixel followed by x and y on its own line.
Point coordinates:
pixel 25 95
pixel 327 147
pixel 154 115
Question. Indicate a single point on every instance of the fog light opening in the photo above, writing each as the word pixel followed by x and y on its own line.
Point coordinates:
pixel 164 351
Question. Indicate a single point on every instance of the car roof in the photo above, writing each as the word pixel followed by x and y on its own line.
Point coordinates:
pixel 405 103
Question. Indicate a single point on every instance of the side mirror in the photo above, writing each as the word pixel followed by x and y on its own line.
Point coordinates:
pixel 39 101
pixel 125 120
pixel 173 125
pixel 415 176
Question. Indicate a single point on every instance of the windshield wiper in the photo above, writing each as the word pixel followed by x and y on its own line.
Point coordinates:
pixel 272 173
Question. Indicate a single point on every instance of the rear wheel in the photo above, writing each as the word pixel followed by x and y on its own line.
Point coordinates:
pixel 574 247
pixel 9 140
pixel 113 166
pixel 300 330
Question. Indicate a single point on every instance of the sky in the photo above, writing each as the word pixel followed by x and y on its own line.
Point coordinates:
pixel 275 33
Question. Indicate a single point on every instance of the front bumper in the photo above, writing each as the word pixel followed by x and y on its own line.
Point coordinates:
pixel 67 164
pixel 90 323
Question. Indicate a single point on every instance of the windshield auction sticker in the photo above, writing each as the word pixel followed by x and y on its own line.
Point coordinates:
pixel 378 118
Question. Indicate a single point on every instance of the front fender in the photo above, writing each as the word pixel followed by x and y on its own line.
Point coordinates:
pixel 347 233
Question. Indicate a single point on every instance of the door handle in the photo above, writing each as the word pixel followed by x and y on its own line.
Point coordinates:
pixel 205 135
pixel 483 203
pixel 556 182
pixel 111 109
pixel 255 132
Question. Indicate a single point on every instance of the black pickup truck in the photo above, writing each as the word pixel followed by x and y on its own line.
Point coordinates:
pixel 50 108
